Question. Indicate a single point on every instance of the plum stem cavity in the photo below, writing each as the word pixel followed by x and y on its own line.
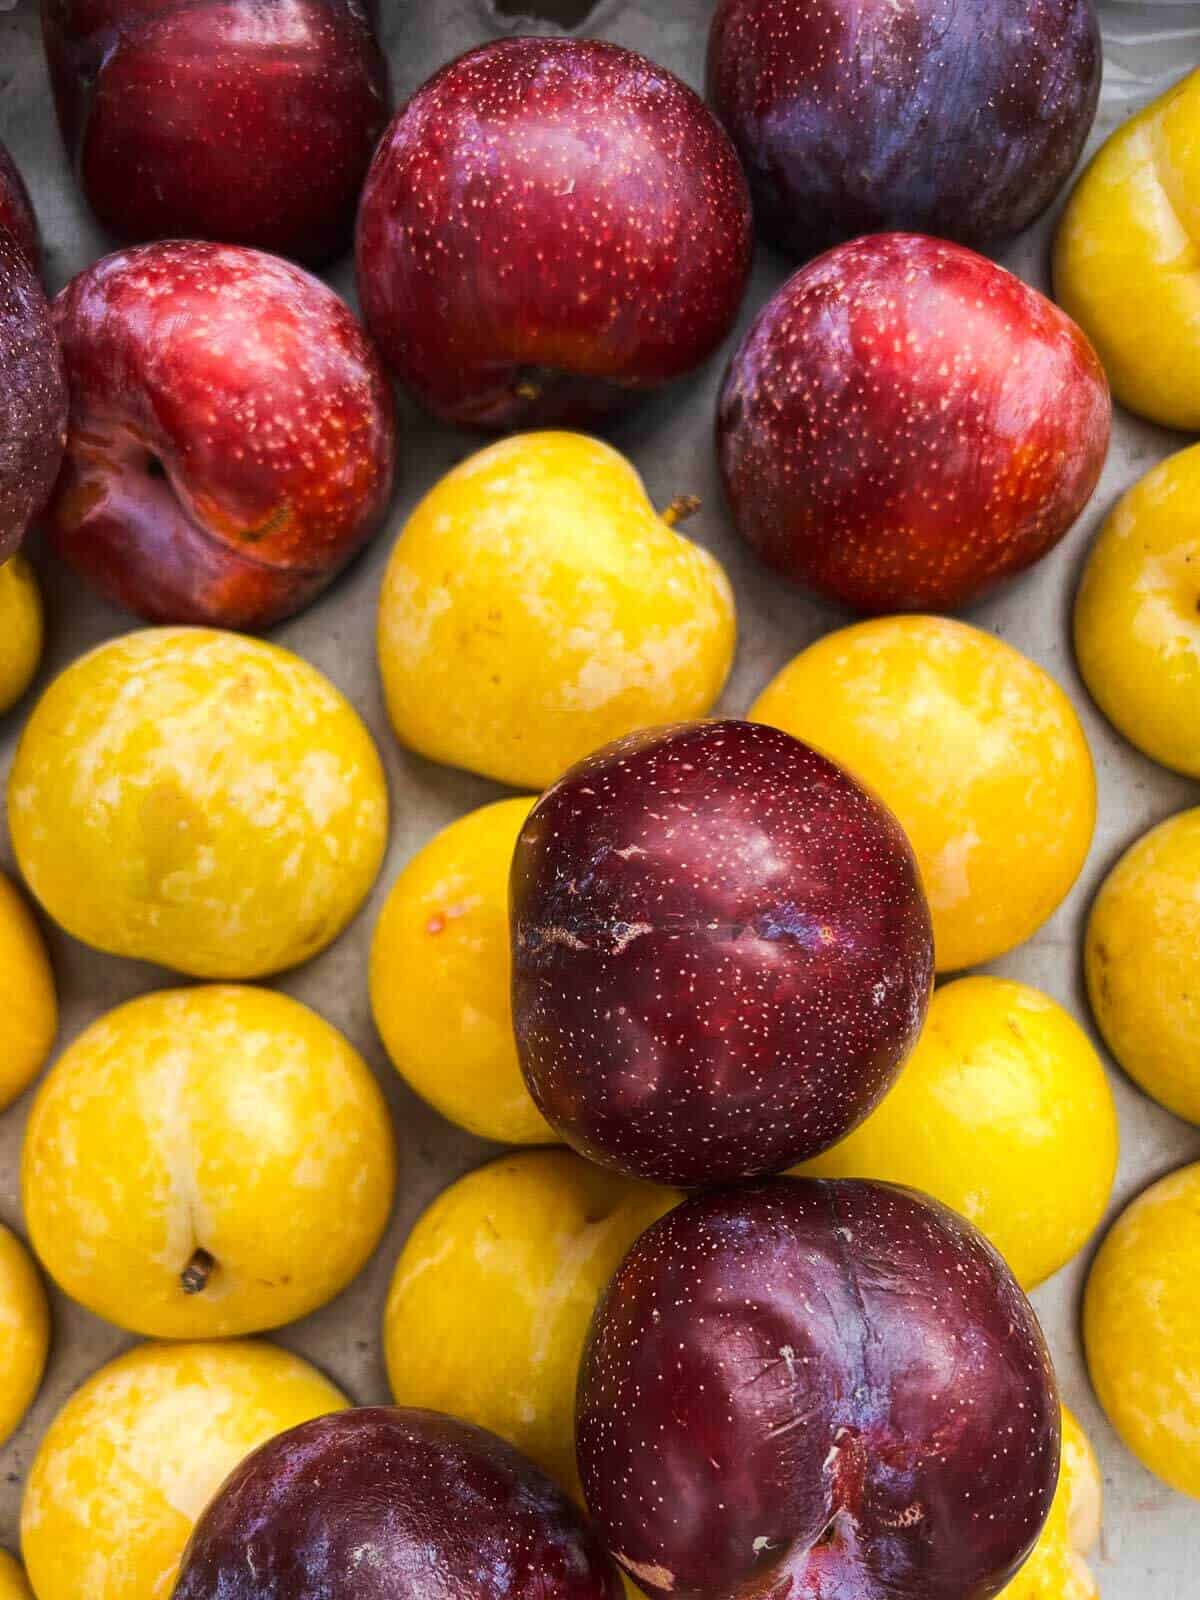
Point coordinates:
pixel 195 1277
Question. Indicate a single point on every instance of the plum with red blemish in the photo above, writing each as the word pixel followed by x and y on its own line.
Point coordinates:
pixel 549 228
pixel 906 424
pixel 231 441
pixel 721 953
pixel 16 210
pixel 247 121
pixel 825 1390
pixel 382 1503
pixel 852 116
pixel 33 398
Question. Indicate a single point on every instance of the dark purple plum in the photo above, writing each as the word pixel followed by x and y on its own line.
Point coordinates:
pixel 387 1504
pixel 33 398
pixel 819 1390
pixel 853 116
pixel 16 209
pixel 246 121
pixel 721 953
pixel 550 227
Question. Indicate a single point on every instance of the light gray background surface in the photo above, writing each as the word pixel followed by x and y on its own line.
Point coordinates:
pixel 1151 1544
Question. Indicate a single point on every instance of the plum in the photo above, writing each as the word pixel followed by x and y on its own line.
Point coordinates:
pixel 721 953
pixel 549 227
pixel 33 401
pixel 857 115
pixel 382 1503
pixel 906 424
pixel 16 210
pixel 822 1390
pixel 247 121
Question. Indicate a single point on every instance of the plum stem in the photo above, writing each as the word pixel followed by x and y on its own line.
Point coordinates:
pixel 199 1270
pixel 681 508
pixel 526 389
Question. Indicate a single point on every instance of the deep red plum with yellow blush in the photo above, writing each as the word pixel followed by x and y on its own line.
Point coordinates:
pixel 852 116
pixel 819 1390
pixel 383 1504
pixel 33 398
pixel 721 953
pixel 247 121
pixel 906 424
pixel 16 210
pixel 549 228
pixel 232 435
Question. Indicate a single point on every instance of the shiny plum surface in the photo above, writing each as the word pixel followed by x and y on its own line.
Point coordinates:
pixel 721 952
pixel 824 1391
pixel 33 397
pixel 16 209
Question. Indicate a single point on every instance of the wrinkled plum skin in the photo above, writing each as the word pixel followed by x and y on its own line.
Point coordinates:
pixel 16 210
pixel 380 1504
pixel 33 397
pixel 721 953
pixel 232 436
pixel 549 227
pixel 855 116
pixel 247 121
pixel 819 1390
pixel 906 424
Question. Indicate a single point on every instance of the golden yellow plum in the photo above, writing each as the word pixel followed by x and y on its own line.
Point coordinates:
pixel 1004 1112
pixel 136 1454
pixel 977 751
pixel 14 1585
pixel 28 1002
pixel 1137 615
pixel 495 1289
pixel 1057 1569
pixel 1127 258
pixel 199 799
pixel 536 606
pixel 207 1162
pixel 24 1332
pixel 1141 1327
pixel 441 978
pixel 1142 961
pixel 20 630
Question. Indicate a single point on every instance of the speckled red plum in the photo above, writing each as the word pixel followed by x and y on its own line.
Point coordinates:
pixel 856 115
pixel 825 1391
pixel 906 424
pixel 549 227
pixel 721 953
pixel 388 1504
pixel 33 396
pixel 247 121
pixel 231 437
pixel 16 209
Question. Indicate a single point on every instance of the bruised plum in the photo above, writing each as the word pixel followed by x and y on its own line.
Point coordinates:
pixel 721 953
pixel 829 1391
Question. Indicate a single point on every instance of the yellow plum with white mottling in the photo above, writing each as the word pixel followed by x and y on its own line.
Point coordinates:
pixel 495 1289
pixel 977 751
pixel 20 629
pixel 24 1332
pixel 208 1162
pixel 28 1001
pixel 1004 1112
pixel 1137 615
pixel 136 1454
pixel 1141 1327
pixel 199 799
pixel 537 606
pixel 13 1583
pixel 441 978
pixel 1125 259
pixel 1057 1569
pixel 1142 961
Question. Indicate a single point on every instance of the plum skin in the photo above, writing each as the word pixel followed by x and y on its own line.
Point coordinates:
pixel 16 210
pixel 832 1390
pixel 381 1502
pixel 247 121
pixel 604 217
pixel 231 442
pixel 721 953
pixel 906 424
pixel 33 403
pixel 856 116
